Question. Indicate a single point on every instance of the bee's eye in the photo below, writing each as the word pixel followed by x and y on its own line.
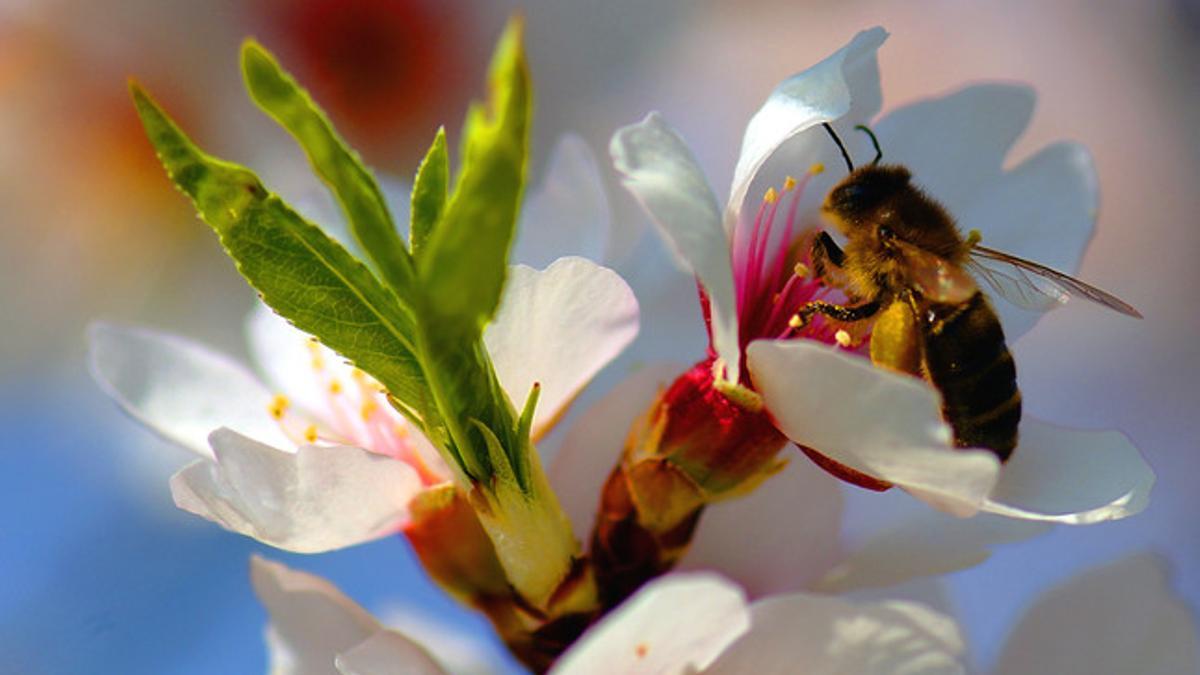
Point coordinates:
pixel 852 193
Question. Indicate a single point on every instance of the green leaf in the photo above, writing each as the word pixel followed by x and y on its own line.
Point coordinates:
pixel 278 94
pixel 299 271
pixel 466 257
pixel 429 192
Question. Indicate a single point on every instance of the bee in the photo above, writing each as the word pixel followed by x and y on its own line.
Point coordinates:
pixel 907 266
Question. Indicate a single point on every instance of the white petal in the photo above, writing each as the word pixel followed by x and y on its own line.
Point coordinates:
pixel 179 388
pixel 929 545
pixel 674 624
pixel 1044 210
pixel 1122 618
pixel 820 635
pixel 593 444
pixel 823 93
pixel 1073 477
pixel 567 214
pixel 316 499
pixel 880 423
pixel 284 355
pixel 387 653
pixel 782 537
pixel 657 167
pixel 311 620
pixel 559 327
pixel 955 145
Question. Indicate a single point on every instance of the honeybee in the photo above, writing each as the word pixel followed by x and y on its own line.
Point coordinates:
pixel 906 265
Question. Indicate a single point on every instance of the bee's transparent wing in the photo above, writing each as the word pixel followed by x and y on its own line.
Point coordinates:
pixel 934 277
pixel 1034 286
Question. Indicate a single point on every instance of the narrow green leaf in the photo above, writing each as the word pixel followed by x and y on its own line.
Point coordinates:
pixel 278 94
pixel 299 271
pixel 429 192
pixel 466 257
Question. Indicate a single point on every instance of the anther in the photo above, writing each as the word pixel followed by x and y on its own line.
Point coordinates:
pixel 278 406
pixel 816 169
pixel 368 409
pixel 335 387
pixel 842 337
pixel 974 237
pixel 795 321
pixel 310 434
pixel 771 197
pixel 801 270
pixel 788 183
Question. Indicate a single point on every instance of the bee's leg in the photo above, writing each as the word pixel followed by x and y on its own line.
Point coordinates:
pixel 835 312
pixel 826 251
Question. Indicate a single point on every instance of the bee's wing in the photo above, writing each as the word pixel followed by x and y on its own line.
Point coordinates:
pixel 934 277
pixel 1034 286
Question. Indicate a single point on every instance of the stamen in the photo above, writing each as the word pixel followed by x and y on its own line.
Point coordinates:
pixel 314 349
pixel 842 338
pixel 974 237
pixel 788 183
pixel 335 387
pixel 771 197
pixel 801 270
pixel 310 433
pixel 795 323
pixel 368 409
pixel 816 169
pixel 278 406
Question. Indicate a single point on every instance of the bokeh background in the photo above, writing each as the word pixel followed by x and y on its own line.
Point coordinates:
pixel 98 571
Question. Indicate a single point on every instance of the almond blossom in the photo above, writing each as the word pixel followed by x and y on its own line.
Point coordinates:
pixel 311 456
pixel 1119 618
pixel 810 384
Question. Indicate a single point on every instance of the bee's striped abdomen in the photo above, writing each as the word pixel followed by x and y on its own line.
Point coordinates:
pixel 969 362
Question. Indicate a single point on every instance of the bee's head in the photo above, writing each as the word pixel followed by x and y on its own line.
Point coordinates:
pixel 861 196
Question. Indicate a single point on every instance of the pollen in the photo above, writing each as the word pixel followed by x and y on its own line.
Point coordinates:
pixel 335 387
pixel 368 409
pixel 278 406
pixel 310 433
pixel 843 338
pixel 771 197
pixel 817 169
pixel 788 183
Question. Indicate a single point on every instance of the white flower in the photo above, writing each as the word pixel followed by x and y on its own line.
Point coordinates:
pixel 307 454
pixel 859 420
pixel 681 623
pixel 1119 619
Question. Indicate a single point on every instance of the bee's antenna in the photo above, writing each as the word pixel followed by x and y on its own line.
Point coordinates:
pixel 845 155
pixel 874 142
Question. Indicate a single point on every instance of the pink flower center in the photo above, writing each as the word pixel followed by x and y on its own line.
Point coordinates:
pixel 773 276
pixel 354 410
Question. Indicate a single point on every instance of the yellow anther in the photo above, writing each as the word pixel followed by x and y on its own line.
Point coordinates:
pixel 310 434
pixel 800 270
pixel 335 387
pixel 369 409
pixel 816 169
pixel 771 197
pixel 358 375
pixel 278 406
pixel 974 237
pixel 788 183
pixel 795 321
pixel 842 337
pixel 401 430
